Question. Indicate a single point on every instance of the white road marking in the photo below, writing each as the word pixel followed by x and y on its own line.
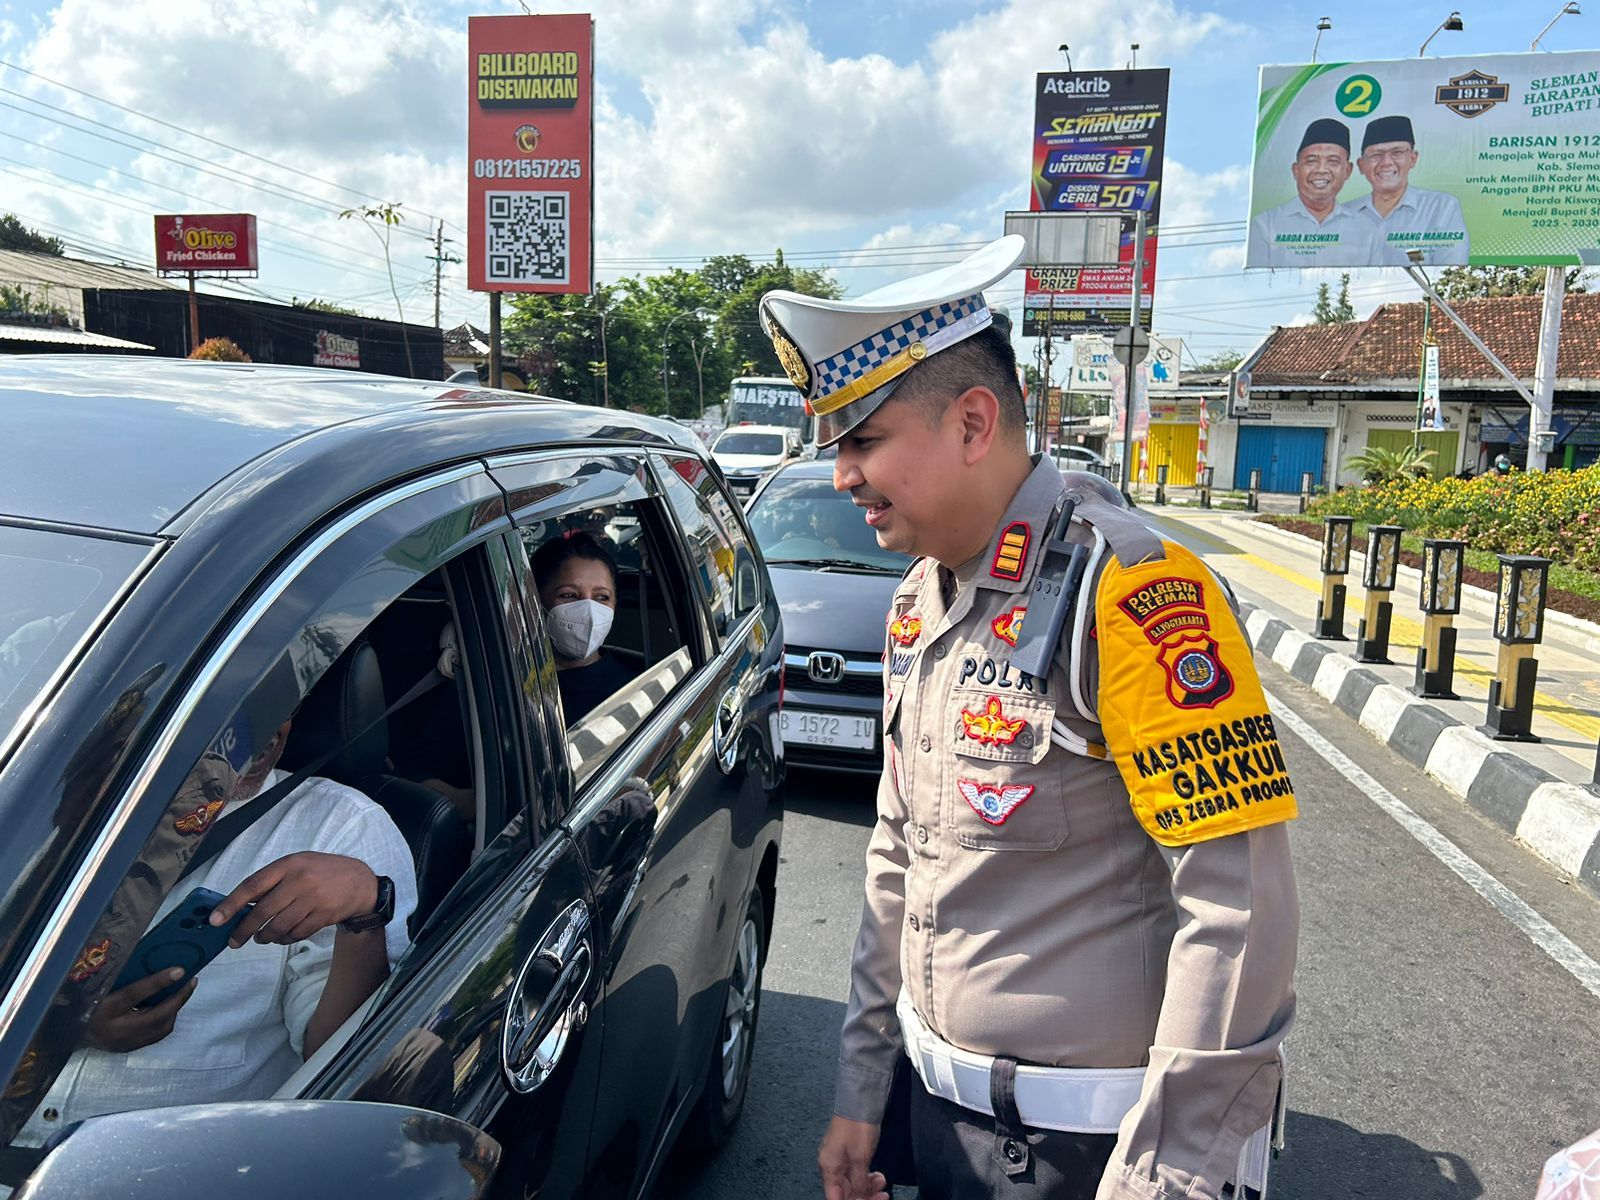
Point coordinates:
pixel 1511 906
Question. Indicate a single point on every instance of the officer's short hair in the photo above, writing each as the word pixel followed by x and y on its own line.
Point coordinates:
pixel 985 359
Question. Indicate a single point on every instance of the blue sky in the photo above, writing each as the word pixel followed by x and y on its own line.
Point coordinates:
pixel 724 126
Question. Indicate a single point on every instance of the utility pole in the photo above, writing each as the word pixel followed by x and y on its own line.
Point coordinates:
pixel 439 258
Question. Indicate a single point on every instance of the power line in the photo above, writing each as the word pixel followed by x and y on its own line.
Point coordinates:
pixel 226 174
pixel 202 137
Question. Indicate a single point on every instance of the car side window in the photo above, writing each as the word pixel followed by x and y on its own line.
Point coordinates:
pixel 600 582
pixel 606 590
pixel 723 565
pixel 354 757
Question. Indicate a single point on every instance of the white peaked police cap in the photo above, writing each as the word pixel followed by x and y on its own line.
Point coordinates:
pixel 847 356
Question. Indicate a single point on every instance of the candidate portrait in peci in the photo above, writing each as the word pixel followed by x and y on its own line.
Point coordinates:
pixel 1313 229
pixel 1406 217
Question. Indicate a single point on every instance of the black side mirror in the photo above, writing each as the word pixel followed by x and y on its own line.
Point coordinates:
pixel 268 1148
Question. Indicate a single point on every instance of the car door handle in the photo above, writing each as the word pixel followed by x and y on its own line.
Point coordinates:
pixel 547 1006
pixel 725 729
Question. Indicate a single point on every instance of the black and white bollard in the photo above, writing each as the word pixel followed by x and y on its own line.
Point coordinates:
pixel 1440 601
pixel 1519 628
pixel 1336 532
pixel 1378 577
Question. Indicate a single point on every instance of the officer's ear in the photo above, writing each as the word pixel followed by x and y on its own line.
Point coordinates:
pixel 978 412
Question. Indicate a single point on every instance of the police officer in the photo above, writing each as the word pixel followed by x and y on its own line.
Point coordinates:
pixel 1080 918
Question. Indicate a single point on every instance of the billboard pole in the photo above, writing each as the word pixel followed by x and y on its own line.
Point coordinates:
pixel 1541 413
pixel 495 377
pixel 1127 381
pixel 194 317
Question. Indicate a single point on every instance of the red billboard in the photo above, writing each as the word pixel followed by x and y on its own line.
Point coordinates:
pixel 530 150
pixel 207 242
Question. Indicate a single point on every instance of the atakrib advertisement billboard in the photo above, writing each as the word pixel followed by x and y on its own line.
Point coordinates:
pixel 206 242
pixel 1098 141
pixel 1490 159
pixel 530 143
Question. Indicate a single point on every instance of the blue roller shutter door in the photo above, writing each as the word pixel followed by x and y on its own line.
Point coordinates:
pixel 1282 453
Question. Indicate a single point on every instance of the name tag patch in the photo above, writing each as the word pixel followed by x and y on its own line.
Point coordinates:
pixel 900 662
pixel 998 672
pixel 993 804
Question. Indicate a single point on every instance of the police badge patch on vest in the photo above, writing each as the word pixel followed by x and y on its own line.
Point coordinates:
pixel 1181 706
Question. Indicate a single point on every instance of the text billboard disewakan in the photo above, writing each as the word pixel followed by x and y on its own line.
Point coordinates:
pixel 1098 142
pixel 206 243
pixel 530 143
pixel 1489 159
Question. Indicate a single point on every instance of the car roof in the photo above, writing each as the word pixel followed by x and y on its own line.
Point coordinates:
pixel 741 428
pixel 130 444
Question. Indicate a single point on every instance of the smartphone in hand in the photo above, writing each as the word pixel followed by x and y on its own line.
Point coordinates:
pixel 184 938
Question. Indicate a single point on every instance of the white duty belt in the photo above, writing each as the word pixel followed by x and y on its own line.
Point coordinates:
pixel 1065 1099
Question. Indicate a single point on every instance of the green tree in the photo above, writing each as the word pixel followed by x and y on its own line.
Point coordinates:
pixel 738 321
pixel 312 304
pixel 1471 283
pixel 611 346
pixel 14 235
pixel 1222 360
pixel 1334 312
pixel 14 298
pixel 382 219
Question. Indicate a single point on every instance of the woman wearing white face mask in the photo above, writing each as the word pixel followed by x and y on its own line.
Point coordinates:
pixel 577 582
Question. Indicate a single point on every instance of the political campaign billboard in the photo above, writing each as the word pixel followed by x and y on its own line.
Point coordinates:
pixel 1490 159
pixel 1099 138
pixel 530 143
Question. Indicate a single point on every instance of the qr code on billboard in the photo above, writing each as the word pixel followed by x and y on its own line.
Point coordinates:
pixel 529 237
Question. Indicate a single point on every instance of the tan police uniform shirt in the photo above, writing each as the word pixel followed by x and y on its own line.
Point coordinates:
pixel 1063 935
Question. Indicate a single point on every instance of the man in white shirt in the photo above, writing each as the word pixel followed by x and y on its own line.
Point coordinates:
pixel 1313 230
pixel 1407 218
pixel 294 971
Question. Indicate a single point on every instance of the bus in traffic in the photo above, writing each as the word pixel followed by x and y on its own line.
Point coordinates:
pixel 770 400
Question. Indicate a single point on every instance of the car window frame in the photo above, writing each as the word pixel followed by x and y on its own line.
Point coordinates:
pixel 210 696
pixel 739 626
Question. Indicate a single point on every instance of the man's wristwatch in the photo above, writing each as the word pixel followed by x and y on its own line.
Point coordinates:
pixel 378 917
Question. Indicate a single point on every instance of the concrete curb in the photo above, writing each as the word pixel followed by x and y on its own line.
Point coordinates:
pixel 1588 630
pixel 1557 820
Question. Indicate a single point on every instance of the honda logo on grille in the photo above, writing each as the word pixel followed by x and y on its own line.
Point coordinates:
pixel 825 667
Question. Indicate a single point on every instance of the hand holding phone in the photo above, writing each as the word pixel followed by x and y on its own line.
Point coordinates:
pixel 184 940
pixel 126 1019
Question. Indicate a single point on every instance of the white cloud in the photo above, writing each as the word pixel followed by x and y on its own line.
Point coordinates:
pixel 721 124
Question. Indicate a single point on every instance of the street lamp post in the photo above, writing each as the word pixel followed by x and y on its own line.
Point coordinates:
pixel 1323 25
pixel 1452 24
pixel 1569 9
pixel 666 399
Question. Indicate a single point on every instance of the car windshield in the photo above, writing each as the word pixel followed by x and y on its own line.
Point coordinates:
pixel 55 585
pixel 805 522
pixel 750 443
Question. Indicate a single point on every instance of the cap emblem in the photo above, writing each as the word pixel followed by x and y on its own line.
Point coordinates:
pixel 794 363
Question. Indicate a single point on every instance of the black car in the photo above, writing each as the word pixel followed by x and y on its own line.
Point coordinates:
pixel 834 584
pixel 206 565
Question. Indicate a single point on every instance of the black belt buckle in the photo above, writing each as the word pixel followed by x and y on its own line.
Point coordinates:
pixel 1055 587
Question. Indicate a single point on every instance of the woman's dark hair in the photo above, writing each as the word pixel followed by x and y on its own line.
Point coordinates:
pixel 575 543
